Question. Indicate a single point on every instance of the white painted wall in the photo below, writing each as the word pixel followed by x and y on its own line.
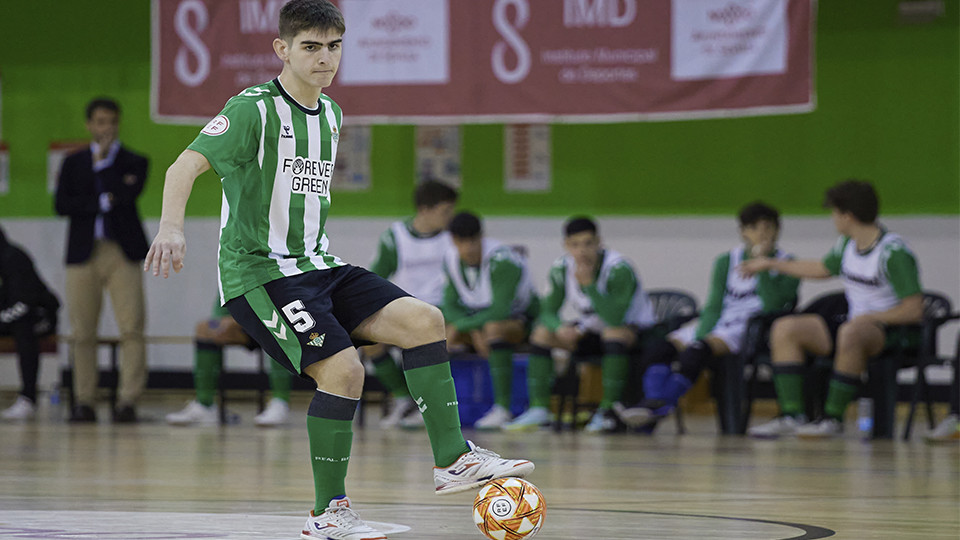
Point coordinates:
pixel 668 252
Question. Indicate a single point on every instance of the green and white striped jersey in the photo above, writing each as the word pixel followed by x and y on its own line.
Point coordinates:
pixel 276 159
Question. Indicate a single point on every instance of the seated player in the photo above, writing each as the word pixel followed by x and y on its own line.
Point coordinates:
pixel 28 312
pixel 673 365
pixel 882 286
pixel 610 306
pixel 211 336
pixel 489 303
pixel 410 254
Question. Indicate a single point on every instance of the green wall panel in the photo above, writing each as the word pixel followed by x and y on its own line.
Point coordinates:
pixel 888 109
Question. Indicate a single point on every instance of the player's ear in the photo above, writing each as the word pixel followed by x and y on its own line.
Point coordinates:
pixel 282 49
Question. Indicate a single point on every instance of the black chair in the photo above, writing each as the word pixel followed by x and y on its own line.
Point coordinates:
pixel 672 308
pixel 902 353
pixel 734 386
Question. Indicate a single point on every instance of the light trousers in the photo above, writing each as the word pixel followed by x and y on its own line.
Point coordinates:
pixel 107 269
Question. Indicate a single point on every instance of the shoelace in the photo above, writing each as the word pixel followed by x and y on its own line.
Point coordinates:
pixel 348 517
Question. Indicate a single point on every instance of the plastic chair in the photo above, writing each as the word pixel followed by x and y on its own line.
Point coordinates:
pixel 906 353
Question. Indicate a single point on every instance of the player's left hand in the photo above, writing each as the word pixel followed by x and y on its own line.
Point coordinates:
pixel 167 251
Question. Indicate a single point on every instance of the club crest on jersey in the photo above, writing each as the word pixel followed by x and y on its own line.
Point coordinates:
pixel 334 135
pixel 308 176
pixel 218 126
pixel 316 339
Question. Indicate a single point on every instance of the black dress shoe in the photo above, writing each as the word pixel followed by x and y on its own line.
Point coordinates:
pixel 83 414
pixel 125 415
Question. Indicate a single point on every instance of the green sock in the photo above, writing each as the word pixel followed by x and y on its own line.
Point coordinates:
pixel 390 375
pixel 788 382
pixel 614 370
pixel 501 373
pixel 280 380
pixel 840 393
pixel 330 429
pixel 207 361
pixel 431 385
pixel 539 378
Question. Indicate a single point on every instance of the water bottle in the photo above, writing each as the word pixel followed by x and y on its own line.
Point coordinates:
pixel 865 417
pixel 55 402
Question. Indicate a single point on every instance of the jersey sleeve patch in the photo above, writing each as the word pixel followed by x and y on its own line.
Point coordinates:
pixel 218 126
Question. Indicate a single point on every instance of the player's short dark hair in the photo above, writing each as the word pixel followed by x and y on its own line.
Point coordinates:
pixel 855 197
pixel 758 211
pixel 102 103
pixel 430 193
pixel 299 15
pixel 465 225
pixel 579 224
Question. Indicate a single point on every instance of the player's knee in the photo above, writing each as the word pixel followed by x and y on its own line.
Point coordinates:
pixel 853 337
pixel 541 337
pixel 783 330
pixel 424 319
pixel 619 334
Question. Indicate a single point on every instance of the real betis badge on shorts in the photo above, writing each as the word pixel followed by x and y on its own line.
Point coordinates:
pixel 316 339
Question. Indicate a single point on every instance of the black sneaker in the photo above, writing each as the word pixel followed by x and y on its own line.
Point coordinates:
pixel 125 415
pixel 82 414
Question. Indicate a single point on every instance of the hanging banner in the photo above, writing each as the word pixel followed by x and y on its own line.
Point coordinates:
pixel 526 158
pixel 509 61
pixel 438 154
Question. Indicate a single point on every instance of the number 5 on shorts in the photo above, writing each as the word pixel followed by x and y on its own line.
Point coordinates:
pixel 297 314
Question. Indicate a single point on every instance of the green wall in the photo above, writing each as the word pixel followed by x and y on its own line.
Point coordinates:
pixel 888 109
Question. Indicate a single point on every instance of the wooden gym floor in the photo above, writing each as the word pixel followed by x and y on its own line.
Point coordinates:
pixel 151 481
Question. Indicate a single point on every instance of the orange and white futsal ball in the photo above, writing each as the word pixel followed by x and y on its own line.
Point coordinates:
pixel 509 509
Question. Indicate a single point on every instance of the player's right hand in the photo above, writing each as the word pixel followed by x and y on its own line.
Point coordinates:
pixel 167 251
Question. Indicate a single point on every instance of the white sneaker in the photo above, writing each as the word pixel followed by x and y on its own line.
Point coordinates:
pixel 475 468
pixel 495 418
pixel 825 428
pixel 339 522
pixel 534 418
pixel 947 430
pixel 779 426
pixel 602 421
pixel 194 414
pixel 22 409
pixel 274 415
pixel 399 409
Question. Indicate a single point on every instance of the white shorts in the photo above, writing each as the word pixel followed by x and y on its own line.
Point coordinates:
pixel 729 332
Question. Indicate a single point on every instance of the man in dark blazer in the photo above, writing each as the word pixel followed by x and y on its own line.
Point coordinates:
pixel 98 190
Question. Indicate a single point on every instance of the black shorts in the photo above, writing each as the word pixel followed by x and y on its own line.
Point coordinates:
pixel 833 310
pixel 300 320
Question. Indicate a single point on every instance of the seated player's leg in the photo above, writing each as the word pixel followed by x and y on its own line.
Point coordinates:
pixel 278 408
pixel 857 341
pixel 209 337
pixel 540 372
pixel 500 338
pixel 791 338
pixel 28 354
pixel 615 368
pixel 391 376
